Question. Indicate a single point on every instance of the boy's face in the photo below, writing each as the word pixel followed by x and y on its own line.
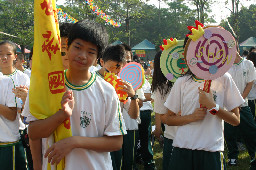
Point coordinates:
pixel 81 54
pixel 7 56
pixel 112 66
pixel 19 62
pixel 64 50
pixel 128 56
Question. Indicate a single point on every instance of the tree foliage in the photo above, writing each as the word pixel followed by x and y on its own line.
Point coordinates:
pixel 17 18
pixel 139 20
pixel 246 23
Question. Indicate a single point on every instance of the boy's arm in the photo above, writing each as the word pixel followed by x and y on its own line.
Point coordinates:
pixel 147 97
pixel 157 132
pixel 36 151
pixel 247 89
pixel 9 113
pixel 44 128
pixel 134 109
pixel 99 144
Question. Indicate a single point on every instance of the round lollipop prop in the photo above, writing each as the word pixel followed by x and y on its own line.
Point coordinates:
pixel 210 52
pixel 134 74
pixel 172 60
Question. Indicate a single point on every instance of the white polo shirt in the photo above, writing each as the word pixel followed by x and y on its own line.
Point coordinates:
pixel 159 100
pixel 207 134
pixel 243 73
pixel 9 130
pixel 96 113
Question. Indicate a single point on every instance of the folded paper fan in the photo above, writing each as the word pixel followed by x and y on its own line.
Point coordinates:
pixel 115 82
pixel 172 61
pixel 133 73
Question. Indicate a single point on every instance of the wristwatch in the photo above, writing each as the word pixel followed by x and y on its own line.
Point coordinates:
pixel 214 110
pixel 134 97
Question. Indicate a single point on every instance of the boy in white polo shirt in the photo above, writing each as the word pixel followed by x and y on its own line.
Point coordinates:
pixel 91 103
pixel 243 74
pixel 114 58
pixel 12 154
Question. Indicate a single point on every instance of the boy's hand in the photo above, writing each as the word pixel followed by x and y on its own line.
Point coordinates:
pixel 199 114
pixel 67 103
pixel 21 92
pixel 59 150
pixel 127 87
pixel 157 132
pixel 206 99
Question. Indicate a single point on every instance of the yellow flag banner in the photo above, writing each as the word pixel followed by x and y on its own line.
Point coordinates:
pixel 47 77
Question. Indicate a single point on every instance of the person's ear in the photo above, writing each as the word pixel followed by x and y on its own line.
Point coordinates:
pixel 101 62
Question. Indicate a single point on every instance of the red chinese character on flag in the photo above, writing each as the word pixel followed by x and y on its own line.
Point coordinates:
pixel 47 46
pixel 48 7
pixel 56 82
pixel 67 123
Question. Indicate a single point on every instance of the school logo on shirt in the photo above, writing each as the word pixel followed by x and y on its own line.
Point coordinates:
pixel 85 119
pixel 214 95
pixel 244 73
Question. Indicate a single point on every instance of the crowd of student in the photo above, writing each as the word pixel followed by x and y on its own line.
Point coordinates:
pixel 112 132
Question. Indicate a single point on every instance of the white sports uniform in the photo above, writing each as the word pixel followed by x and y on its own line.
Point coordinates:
pixel 96 113
pixel 146 89
pixel 207 134
pixel 20 78
pixel 159 100
pixel 27 72
pixel 242 73
pixel 9 130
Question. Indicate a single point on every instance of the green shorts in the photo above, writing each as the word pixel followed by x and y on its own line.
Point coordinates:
pixel 12 156
pixel 186 159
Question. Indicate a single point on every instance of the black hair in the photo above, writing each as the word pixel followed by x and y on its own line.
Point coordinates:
pixel 184 45
pixel 136 58
pixel 65 29
pixel 114 53
pixel 127 47
pixel 89 31
pixel 159 81
pixel 20 56
pixel 252 57
pixel 31 54
pixel 14 46
pixel 245 52
pixel 252 48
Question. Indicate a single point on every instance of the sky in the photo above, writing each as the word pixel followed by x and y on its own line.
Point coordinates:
pixel 219 9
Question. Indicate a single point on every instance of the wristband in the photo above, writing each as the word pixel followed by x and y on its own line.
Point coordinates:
pixel 214 110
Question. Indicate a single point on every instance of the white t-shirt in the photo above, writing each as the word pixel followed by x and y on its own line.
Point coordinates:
pixel 27 72
pixel 252 94
pixel 96 113
pixel 243 73
pixel 207 134
pixel 159 100
pixel 20 78
pixel 146 89
pixel 93 69
pixel 9 130
pixel 132 124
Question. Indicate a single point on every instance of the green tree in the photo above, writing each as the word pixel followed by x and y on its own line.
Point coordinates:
pixel 17 18
pixel 246 22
